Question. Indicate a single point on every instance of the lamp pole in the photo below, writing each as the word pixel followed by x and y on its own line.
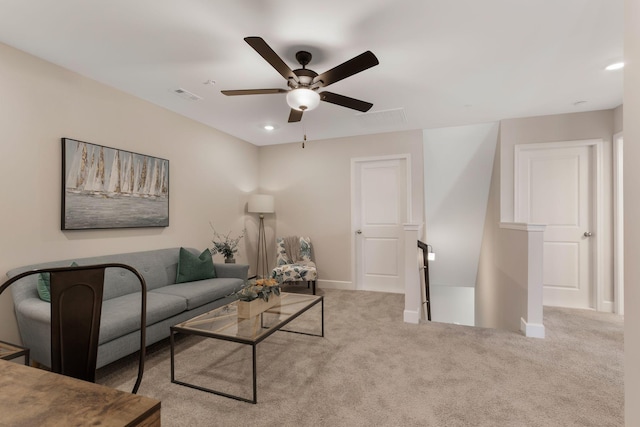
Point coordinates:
pixel 262 250
pixel 261 204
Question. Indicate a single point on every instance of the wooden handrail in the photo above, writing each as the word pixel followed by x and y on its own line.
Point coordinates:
pixel 425 251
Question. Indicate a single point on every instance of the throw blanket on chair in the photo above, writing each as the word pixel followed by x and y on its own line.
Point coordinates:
pixel 292 248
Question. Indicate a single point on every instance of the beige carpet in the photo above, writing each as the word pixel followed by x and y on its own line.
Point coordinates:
pixel 371 369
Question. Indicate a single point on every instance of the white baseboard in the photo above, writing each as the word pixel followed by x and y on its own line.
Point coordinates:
pixel 607 306
pixel 336 284
pixel 411 316
pixel 532 330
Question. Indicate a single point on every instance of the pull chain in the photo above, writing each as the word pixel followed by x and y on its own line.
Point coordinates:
pixel 304 131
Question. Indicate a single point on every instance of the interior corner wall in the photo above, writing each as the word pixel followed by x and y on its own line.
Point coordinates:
pixel 210 175
pixel 488 286
pixel 631 212
pixel 312 189
pixel 501 293
pixel 457 172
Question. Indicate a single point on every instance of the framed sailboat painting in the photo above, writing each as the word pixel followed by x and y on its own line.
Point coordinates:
pixel 105 187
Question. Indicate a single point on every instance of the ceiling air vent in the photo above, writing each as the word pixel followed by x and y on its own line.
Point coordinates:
pixel 185 94
pixel 382 118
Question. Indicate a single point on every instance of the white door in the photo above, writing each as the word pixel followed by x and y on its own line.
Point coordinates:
pixel 554 186
pixel 379 211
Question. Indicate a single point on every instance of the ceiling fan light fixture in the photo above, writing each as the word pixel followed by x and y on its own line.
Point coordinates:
pixel 303 99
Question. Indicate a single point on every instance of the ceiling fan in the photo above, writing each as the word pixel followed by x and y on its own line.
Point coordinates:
pixel 303 83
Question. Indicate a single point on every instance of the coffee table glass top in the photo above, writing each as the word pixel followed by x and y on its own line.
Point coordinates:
pixel 223 322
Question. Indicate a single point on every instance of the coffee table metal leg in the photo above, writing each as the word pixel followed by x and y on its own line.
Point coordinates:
pixel 255 379
pixel 171 341
pixel 219 393
pixel 322 309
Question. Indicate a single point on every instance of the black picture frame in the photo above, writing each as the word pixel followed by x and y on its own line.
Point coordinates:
pixel 106 188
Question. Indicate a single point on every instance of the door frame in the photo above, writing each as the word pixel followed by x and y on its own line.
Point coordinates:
pixel 597 254
pixel 355 162
pixel 618 224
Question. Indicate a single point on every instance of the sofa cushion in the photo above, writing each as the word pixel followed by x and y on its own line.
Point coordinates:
pixel 194 267
pixel 121 315
pixel 44 285
pixel 202 291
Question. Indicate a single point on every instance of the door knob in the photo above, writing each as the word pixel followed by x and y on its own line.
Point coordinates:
pixel 358 231
pixel 588 234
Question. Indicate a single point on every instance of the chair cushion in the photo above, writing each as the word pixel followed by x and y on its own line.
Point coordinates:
pixel 281 254
pixel 305 248
pixel 295 272
pixel 121 315
pixel 192 267
pixel 202 291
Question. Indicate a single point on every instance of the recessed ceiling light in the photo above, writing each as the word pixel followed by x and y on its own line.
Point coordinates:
pixel 615 66
pixel 269 127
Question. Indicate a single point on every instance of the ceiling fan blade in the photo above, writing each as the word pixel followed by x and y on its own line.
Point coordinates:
pixel 295 115
pixel 345 101
pixel 252 91
pixel 353 66
pixel 260 46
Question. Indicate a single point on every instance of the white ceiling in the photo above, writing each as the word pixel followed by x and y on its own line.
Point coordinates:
pixel 444 62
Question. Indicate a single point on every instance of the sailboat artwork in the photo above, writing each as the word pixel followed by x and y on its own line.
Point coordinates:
pixel 109 188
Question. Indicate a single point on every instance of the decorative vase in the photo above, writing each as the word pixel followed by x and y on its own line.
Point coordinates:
pixel 248 309
pixel 230 260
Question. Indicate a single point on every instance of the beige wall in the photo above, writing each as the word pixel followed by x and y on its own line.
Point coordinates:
pixel 312 189
pixel 632 212
pixel 210 172
pixel 563 127
pixel 618 114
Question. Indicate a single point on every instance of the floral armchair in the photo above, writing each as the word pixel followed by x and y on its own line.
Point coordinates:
pixel 294 267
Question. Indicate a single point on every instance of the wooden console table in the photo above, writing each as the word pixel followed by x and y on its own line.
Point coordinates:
pixel 35 397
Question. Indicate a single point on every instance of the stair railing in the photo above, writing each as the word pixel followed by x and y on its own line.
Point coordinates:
pixel 425 254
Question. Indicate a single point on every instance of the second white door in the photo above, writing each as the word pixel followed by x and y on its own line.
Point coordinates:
pixel 554 186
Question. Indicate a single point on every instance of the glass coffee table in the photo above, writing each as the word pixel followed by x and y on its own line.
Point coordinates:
pixel 224 324
pixel 10 351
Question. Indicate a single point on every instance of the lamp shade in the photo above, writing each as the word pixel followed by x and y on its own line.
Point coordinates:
pixel 261 203
pixel 303 99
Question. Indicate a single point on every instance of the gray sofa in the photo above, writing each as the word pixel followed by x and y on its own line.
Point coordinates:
pixel 167 303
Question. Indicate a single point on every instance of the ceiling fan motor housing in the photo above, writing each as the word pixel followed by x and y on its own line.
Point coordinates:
pixel 305 78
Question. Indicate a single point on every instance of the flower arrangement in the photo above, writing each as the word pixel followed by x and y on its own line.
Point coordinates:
pixel 225 244
pixel 261 288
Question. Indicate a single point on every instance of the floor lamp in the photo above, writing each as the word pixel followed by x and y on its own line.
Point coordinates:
pixel 261 204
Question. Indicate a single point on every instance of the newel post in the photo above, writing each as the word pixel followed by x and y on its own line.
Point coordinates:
pixel 412 284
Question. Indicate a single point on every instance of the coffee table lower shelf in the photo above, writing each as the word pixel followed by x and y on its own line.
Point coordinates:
pixel 224 324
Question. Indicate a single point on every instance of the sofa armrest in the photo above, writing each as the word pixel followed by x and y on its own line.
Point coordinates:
pixel 238 271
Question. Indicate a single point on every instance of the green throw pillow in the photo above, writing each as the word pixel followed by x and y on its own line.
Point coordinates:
pixel 193 267
pixel 44 285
